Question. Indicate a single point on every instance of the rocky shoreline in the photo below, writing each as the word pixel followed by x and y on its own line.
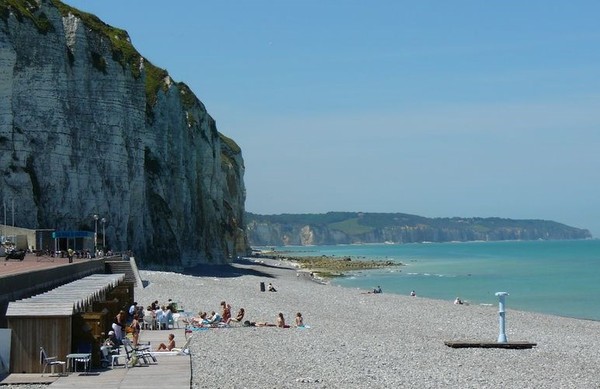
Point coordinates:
pixel 359 340
pixel 324 266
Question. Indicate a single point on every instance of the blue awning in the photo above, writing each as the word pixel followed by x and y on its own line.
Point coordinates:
pixel 72 234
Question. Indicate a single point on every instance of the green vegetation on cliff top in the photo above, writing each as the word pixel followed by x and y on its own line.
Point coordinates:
pixel 26 9
pixel 123 51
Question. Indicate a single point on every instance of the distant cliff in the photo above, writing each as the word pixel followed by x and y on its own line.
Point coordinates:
pixel 89 126
pixel 358 227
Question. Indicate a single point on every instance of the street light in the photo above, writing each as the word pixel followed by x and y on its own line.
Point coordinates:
pixel 95 233
pixel 103 234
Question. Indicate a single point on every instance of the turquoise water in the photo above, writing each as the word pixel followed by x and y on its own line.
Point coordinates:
pixel 554 277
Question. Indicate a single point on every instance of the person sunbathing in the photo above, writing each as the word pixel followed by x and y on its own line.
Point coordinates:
pixel 239 317
pixel 225 311
pixel 215 319
pixel 169 346
pixel 279 322
pixel 198 321
pixel 299 320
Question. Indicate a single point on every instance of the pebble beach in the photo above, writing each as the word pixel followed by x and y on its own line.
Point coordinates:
pixel 362 340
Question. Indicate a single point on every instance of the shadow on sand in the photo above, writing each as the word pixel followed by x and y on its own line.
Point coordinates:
pixel 231 270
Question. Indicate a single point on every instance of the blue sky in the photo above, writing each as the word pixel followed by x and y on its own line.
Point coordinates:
pixel 434 108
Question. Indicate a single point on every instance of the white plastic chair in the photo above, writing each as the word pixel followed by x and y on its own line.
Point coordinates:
pixel 149 322
pixel 46 361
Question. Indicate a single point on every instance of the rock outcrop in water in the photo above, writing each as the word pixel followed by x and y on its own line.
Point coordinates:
pixel 90 127
pixel 358 227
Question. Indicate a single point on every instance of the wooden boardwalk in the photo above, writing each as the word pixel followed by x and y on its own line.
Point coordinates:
pixel 174 371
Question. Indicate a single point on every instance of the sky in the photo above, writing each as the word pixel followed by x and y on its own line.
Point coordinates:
pixel 433 108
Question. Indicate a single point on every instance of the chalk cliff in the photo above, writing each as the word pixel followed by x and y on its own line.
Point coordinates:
pixel 89 126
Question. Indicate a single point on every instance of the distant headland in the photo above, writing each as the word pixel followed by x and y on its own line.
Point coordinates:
pixel 363 227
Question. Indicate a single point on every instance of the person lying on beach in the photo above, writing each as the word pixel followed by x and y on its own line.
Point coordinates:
pixel 199 321
pixel 169 346
pixel 261 324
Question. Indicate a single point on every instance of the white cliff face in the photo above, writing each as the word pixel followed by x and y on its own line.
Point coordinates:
pixel 80 135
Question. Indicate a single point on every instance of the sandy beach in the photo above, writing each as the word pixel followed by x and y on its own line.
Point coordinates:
pixel 359 340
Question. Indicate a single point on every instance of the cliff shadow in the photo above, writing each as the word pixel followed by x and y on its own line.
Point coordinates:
pixel 226 271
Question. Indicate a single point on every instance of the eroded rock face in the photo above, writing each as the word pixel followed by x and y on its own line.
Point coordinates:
pixel 88 126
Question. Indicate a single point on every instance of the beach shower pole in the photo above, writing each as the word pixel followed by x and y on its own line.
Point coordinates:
pixel 502 313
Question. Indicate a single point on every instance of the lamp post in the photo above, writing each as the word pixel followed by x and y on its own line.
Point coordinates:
pixel 103 234
pixel 95 233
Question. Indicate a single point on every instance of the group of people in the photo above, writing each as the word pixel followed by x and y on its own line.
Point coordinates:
pixel 279 322
pixel 162 315
pixel 215 319
pixel 131 321
pixel 225 318
pixel 79 254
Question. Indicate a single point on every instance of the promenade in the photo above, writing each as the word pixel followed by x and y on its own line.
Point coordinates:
pixel 32 263
pixel 175 369
pixel 172 369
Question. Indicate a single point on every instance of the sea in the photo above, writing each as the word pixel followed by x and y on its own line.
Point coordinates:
pixel 553 277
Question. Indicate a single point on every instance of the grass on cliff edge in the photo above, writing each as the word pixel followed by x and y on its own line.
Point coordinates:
pixel 328 267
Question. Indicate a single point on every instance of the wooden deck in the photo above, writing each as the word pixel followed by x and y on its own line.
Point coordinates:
pixel 174 369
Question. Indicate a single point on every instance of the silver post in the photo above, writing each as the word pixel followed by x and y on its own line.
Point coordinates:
pixel 502 319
